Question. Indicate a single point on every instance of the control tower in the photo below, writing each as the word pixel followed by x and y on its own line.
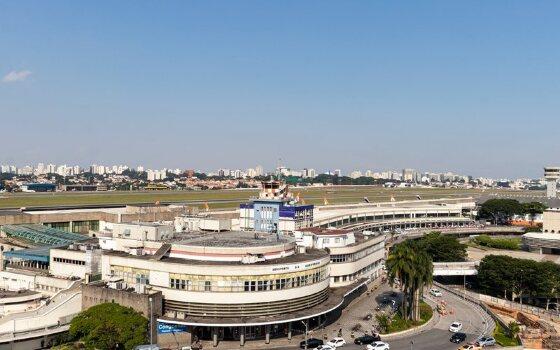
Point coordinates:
pixel 551 175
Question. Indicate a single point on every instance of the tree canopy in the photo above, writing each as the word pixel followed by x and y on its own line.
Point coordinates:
pixel 443 248
pixel 105 325
pixel 502 209
pixel 412 266
pixel 508 277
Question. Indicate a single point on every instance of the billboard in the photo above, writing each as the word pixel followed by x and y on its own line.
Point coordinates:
pixel 166 328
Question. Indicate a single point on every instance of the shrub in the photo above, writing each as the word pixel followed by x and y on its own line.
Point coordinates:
pixel 497 243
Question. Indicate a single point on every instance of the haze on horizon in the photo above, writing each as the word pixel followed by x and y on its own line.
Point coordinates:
pixel 469 87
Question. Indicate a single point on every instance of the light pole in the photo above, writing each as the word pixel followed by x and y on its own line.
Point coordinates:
pixel 521 290
pixel 305 343
pixel 151 321
pixel 464 285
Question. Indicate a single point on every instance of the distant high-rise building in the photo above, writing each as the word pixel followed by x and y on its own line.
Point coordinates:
pixel 311 173
pixel 338 172
pixel 26 170
pixel 251 172
pixel 259 170
pixel 40 169
pixel 408 175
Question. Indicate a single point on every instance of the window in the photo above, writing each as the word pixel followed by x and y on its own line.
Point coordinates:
pixel 251 283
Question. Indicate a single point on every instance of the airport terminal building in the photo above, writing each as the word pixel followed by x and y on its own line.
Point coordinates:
pixel 230 286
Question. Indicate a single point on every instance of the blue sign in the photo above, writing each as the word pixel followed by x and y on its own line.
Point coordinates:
pixel 167 328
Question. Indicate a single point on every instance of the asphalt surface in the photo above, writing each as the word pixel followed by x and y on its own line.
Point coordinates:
pixel 438 337
pixel 475 323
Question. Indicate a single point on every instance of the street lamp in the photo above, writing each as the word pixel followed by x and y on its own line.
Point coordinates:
pixel 151 321
pixel 464 285
pixel 521 290
pixel 306 327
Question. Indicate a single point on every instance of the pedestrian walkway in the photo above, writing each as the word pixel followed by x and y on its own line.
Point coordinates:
pixel 58 311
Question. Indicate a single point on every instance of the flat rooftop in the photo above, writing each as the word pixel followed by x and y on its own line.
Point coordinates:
pixel 310 254
pixel 235 239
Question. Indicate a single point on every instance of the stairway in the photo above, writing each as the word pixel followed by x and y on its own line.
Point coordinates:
pixel 160 253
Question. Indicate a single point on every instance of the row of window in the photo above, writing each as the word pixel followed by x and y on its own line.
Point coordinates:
pixel 342 258
pixel 357 274
pixel 243 284
pixel 69 261
pixel 131 275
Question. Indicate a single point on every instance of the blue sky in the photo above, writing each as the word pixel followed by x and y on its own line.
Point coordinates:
pixel 471 86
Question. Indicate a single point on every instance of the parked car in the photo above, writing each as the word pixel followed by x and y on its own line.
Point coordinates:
pixel 367 339
pixel 146 347
pixel 337 342
pixel 436 292
pixel 458 337
pixel 455 327
pixel 469 347
pixel 324 347
pixel 486 341
pixel 312 343
pixel 378 345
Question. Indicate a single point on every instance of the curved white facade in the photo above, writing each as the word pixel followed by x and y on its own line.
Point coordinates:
pixel 227 275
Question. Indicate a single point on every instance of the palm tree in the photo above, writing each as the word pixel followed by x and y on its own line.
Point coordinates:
pixel 413 267
pixel 423 277
pixel 400 265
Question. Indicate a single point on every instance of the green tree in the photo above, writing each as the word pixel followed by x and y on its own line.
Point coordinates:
pixel 499 210
pixel 533 208
pixel 505 276
pixel 423 277
pixel 513 329
pixel 383 322
pixel 106 325
pixel 443 248
pixel 412 266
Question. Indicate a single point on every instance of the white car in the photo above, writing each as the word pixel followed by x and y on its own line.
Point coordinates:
pixel 455 327
pixel 324 347
pixel 435 292
pixel 378 345
pixel 337 342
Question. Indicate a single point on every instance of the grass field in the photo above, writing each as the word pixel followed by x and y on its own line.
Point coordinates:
pixel 231 198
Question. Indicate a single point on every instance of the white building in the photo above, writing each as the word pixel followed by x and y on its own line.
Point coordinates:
pixel 356 174
pixel 234 285
pixel 354 256
pixel 75 261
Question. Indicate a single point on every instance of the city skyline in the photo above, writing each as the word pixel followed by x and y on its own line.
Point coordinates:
pixel 41 168
pixel 432 85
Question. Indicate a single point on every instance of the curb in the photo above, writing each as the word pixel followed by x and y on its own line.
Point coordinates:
pixel 416 330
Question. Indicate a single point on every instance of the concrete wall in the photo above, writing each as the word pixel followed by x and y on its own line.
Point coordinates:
pixel 551 221
pixel 97 293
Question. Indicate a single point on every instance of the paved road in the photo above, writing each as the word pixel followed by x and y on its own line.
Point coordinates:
pixel 437 338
